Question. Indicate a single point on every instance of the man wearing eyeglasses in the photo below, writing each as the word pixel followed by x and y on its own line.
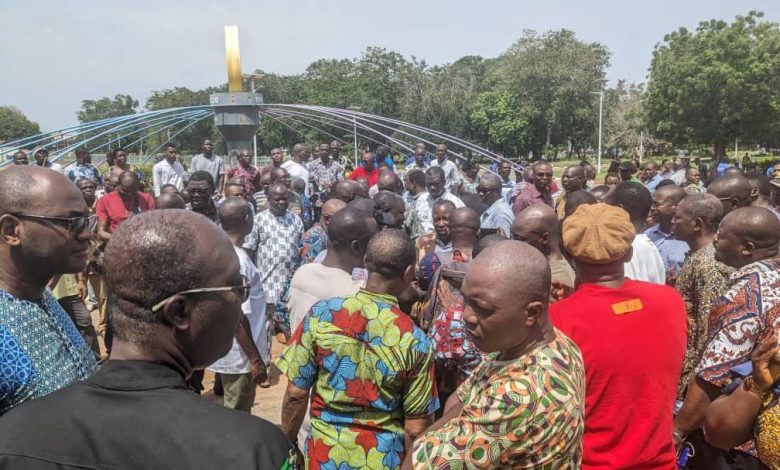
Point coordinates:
pixel 44 231
pixel 176 316
pixel 662 210
pixel 539 191
pixel 733 191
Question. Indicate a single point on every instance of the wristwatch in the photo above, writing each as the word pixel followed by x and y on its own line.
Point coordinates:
pixel 750 386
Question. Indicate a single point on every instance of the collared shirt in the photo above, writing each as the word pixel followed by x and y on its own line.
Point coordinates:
pixel 77 172
pixel 467 186
pixel 646 263
pixel 702 280
pixel 672 250
pixel 325 176
pixel 369 367
pixel 213 165
pixel 414 166
pixel 40 350
pixel 505 424
pixel 276 240
pixel 451 173
pixel 498 215
pixel 529 196
pixel 691 188
pixel 165 173
pixel 371 176
pixel 114 209
pixel 739 317
pixel 250 176
pixel 210 211
pixel 421 216
pixel 314 241
pixel 236 360
pixel 507 188
pixel 148 418
pixel 652 183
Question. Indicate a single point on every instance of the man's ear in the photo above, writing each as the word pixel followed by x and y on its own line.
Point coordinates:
pixel 533 311
pixel 748 248
pixel 178 313
pixel 409 274
pixel 10 230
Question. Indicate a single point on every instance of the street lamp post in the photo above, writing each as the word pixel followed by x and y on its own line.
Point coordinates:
pixel 601 111
pixel 252 76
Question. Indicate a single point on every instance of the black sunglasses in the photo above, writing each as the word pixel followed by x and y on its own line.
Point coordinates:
pixel 75 225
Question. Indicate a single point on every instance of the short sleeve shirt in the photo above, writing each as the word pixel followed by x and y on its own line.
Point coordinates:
pixel 116 210
pixel 326 175
pixel 421 219
pixel 370 367
pixel 276 239
pixel 213 165
pixel 524 413
pixel 87 171
pixel 40 350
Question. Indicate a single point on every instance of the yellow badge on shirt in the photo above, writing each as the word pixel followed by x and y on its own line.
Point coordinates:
pixel 627 306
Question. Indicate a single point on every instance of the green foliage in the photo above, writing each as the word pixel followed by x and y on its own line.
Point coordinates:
pixel 190 140
pixel 503 120
pixel 717 84
pixel 94 110
pixel 15 125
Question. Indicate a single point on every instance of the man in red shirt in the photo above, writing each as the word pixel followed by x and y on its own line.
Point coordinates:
pixel 121 204
pixel 367 170
pixel 632 335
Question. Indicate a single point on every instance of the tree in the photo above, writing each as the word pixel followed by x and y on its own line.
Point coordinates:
pixel 554 74
pixel 503 120
pixel 624 124
pixel 95 110
pixel 716 84
pixel 15 125
pixel 191 138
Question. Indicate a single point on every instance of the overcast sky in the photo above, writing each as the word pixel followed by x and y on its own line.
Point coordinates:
pixel 55 53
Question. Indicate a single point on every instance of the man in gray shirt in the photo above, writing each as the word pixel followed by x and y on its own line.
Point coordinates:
pixel 498 214
pixel 207 161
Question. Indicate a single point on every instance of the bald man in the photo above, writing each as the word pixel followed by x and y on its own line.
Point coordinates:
pixel 733 190
pixel 296 165
pixel 174 316
pixel 482 426
pixel 361 355
pixel 349 231
pixel 673 250
pixel 702 278
pixel 388 181
pixel 537 225
pixel 45 230
pixel 315 240
pixel 498 216
pixel 169 201
pixel 747 240
pixel 611 318
pixel 573 179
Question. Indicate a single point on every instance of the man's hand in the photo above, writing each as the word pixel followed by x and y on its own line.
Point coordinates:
pixel 427 243
pixel 766 367
pixel 559 291
pixel 258 371
pixel 82 290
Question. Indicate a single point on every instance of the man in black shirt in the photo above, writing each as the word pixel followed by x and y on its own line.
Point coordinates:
pixel 177 315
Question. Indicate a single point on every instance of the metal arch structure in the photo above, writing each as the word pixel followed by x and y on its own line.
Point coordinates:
pixel 326 121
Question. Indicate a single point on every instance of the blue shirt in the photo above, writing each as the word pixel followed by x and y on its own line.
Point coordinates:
pixel 672 250
pixel 426 160
pixel 388 159
pixel 40 350
pixel 653 183
pixel 87 171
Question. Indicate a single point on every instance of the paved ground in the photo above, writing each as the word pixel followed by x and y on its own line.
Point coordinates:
pixel 268 401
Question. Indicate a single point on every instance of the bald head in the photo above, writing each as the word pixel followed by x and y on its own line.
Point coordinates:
pixel 733 191
pixel 537 226
pixel 346 190
pixel 349 225
pixel 235 215
pixel 389 181
pixel 169 200
pixel 390 254
pixel 464 227
pixel 484 242
pixel 26 188
pixel 523 271
pixel 747 235
pixel 330 207
pixel 672 192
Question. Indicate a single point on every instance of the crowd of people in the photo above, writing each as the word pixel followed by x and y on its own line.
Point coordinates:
pixel 434 313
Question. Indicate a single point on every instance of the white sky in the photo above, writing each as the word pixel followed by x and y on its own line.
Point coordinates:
pixel 55 53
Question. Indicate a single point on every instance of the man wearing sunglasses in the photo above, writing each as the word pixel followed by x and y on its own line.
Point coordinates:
pixel 44 231
pixel 174 317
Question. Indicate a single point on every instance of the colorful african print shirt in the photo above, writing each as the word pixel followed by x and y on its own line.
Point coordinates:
pixel 312 244
pixel 420 219
pixel 325 176
pixel 250 176
pixel 524 413
pixel 702 280
pixel 739 317
pixel 369 367
pixel 276 240
pixel 40 350
pixel 77 172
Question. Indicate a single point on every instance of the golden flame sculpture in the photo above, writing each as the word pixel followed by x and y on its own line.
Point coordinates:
pixel 233 57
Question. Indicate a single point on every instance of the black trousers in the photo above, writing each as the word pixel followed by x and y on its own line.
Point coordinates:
pixel 79 314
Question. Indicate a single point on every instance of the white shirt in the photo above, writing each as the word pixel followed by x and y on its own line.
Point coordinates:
pixel 646 264
pixel 451 174
pixel 296 170
pixel 236 360
pixel 164 173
